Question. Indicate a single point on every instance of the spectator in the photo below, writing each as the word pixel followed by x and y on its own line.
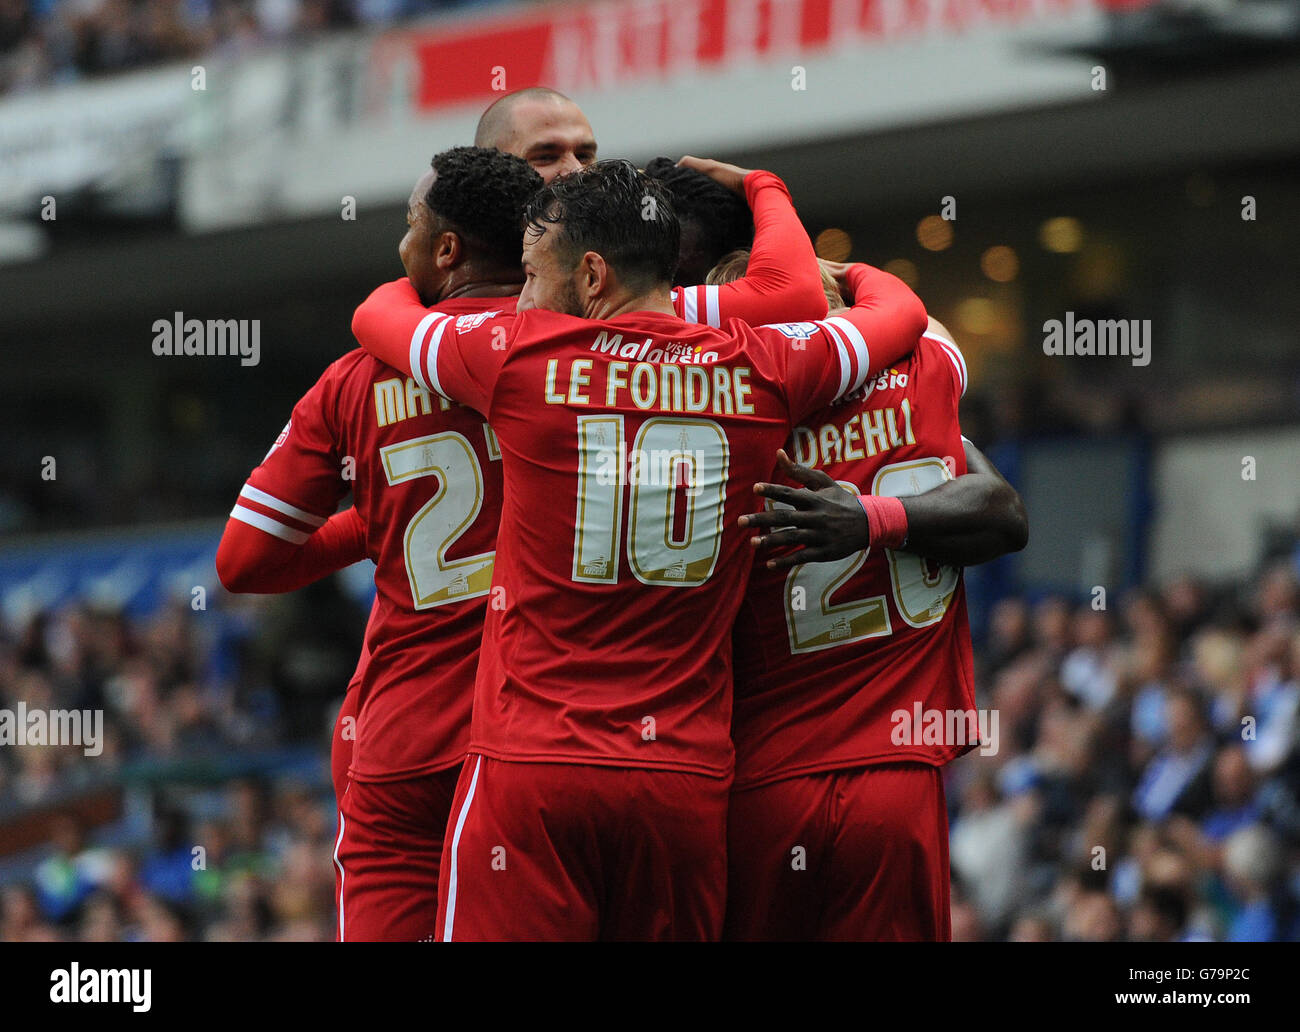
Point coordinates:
pixel 51 41
pixel 1177 779
pixel 1235 806
pixel 988 851
pixel 62 880
pixel 1089 672
pixel 1273 698
pixel 1252 864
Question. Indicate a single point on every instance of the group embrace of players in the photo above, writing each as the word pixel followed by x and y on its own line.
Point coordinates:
pixel 617 683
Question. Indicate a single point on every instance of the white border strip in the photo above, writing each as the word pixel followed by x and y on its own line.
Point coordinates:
pixel 455 848
pixel 339 864
pixel 263 522
pixel 292 511
pixel 860 349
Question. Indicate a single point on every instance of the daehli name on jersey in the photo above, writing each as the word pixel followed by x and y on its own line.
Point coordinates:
pixel 862 435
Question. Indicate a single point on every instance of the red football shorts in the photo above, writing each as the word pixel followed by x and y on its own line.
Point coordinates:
pixel 552 851
pixel 345 733
pixel 847 855
pixel 340 760
pixel 387 855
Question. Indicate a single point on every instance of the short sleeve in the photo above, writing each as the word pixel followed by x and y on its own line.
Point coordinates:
pixel 460 357
pixel 700 304
pixel 823 361
pixel 952 357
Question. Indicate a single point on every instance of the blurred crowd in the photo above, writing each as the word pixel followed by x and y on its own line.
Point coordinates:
pixel 199 844
pixel 1147 781
pixel 1146 784
pixel 53 41
pixel 259 871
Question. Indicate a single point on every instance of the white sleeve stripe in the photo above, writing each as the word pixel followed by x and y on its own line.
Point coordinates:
pixel 846 370
pixel 954 355
pixel 958 360
pixel 264 522
pixel 957 366
pixel 712 314
pixel 431 365
pixel 689 305
pixel 861 351
pixel 271 502
pixel 417 339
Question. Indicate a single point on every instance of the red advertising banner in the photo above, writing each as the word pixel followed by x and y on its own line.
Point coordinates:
pixel 577 47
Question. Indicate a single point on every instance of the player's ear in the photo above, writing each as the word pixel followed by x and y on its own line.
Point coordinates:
pixel 595 274
pixel 448 250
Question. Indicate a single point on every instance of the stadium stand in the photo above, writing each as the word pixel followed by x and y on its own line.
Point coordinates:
pixel 213 737
pixel 44 42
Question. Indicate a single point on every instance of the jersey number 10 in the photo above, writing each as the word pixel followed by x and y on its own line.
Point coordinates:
pixel 677 471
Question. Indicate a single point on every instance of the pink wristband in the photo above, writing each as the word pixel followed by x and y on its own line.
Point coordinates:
pixel 886 521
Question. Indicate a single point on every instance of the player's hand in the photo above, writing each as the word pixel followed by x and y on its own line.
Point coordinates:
pixel 827 522
pixel 730 176
pixel 839 272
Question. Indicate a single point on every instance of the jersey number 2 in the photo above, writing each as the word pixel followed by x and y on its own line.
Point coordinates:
pixel 435 580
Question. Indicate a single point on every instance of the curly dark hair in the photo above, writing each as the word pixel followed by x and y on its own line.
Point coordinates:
pixel 481 194
pixel 714 220
pixel 617 211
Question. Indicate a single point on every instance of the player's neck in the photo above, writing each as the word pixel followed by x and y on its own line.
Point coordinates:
pixel 657 300
pixel 485 284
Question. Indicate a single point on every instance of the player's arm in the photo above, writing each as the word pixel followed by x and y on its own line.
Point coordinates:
pixel 963 522
pixel 459 365
pixel 834 358
pixel 250 560
pixel 886 316
pixel 782 282
pixel 970 520
pixel 280 535
pixel 386 322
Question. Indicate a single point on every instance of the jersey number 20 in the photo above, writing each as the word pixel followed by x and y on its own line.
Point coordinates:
pixel 922 592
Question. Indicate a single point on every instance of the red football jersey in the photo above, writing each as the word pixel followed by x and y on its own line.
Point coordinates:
pixel 833 659
pixel 630 447
pixel 426 480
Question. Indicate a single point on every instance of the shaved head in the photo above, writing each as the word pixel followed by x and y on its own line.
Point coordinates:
pixel 543 127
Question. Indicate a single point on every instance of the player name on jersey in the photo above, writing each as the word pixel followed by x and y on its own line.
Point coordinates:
pixel 663 386
pixel 399 398
pixel 863 435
